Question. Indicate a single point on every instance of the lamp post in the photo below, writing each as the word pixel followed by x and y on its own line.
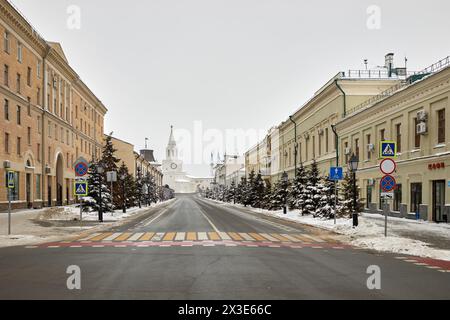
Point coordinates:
pixel 353 167
pixel 285 179
pixel 124 194
pixel 100 171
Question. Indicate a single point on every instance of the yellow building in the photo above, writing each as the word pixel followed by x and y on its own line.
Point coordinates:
pixel 48 119
pixel 415 114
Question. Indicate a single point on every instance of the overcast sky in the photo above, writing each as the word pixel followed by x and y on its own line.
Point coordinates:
pixel 232 64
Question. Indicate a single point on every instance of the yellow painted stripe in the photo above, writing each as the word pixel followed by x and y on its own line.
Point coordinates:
pixel 169 236
pixel 213 236
pixel 279 237
pixel 235 236
pixel 147 236
pixel 257 237
pixel 191 236
pixel 304 239
pixel 101 236
pixel 124 236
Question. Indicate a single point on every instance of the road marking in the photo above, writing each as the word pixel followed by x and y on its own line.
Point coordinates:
pixel 432 267
pixel 202 236
pixel 112 237
pixel 257 237
pixel 147 236
pixel 136 236
pixel 316 239
pixel 53 247
pixel 76 246
pixel 101 236
pixel 214 236
pixel 159 215
pixel 420 264
pixel 120 246
pixel 191 236
pixel 246 236
pixel 169 236
pixel 293 239
pixel 410 260
pixel 224 235
pixel 124 236
pixel 269 237
pixel 98 246
pixel 180 236
pixel 209 221
pixel 235 236
pixel 302 238
pixel 31 247
pixel 158 236
pixel 82 238
pixel 279 237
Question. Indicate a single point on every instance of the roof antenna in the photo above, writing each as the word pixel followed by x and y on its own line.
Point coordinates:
pixel 146 139
pixel 365 62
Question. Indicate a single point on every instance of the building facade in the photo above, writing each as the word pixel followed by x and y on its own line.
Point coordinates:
pixel 49 117
pixel 416 116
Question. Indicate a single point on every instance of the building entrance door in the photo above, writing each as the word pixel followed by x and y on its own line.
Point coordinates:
pixel 28 190
pixel 439 201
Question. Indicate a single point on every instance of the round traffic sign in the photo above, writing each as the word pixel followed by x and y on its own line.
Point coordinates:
pixel 388 166
pixel 81 169
pixel 387 183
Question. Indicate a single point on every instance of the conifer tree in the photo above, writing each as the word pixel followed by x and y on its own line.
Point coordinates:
pixel 297 197
pixel 257 191
pixel 96 182
pixel 312 192
pixel 348 194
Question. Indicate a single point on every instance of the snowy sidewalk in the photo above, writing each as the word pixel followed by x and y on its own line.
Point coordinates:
pixel 417 238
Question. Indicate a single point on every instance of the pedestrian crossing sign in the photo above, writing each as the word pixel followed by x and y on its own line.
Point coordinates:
pixel 81 188
pixel 388 149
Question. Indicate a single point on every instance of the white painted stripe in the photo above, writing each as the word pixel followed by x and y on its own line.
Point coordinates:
pixel 290 238
pixel 120 246
pixel 230 245
pixel 53 247
pixel 274 246
pixel 76 247
pixel 410 260
pixel 180 236
pixel 142 246
pixel 224 235
pixel 420 264
pixel 90 236
pixel 269 237
pixel 209 221
pixel 246 236
pixel 30 247
pixel 208 245
pixel 136 236
pixel 98 246
pixel 202 236
pixel 159 215
pixel 112 237
pixel 316 239
pixel 158 236
pixel 433 267
pixel 316 247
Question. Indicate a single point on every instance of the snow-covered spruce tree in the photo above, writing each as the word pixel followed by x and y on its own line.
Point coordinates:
pixel 96 182
pixel 126 194
pixel 312 190
pixel 297 195
pixel 110 162
pixel 267 196
pixel 327 199
pixel 347 194
pixel 139 185
pixel 249 195
pixel 231 194
pixel 240 197
pixel 151 192
pixel 257 191
pixel 279 195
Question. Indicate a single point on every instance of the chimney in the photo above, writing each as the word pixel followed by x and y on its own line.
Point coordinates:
pixel 389 63
pixel 148 155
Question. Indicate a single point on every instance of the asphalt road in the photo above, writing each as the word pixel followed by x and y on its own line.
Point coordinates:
pixel 234 269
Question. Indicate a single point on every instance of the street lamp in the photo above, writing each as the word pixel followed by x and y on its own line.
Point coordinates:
pixel 353 167
pixel 100 171
pixel 285 179
pixel 124 194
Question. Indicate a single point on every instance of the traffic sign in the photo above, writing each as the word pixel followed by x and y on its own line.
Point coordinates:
pixel 111 176
pixel 10 179
pixel 387 183
pixel 80 188
pixel 81 167
pixel 387 195
pixel 388 149
pixel 336 173
pixel 388 166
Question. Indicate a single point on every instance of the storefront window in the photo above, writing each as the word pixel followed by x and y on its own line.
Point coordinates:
pixel 368 195
pixel 397 197
pixel 416 196
pixel 38 186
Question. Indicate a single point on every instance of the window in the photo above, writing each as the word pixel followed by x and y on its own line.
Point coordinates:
pixel 314 147
pixel 19 115
pixel 39 124
pixel 416 135
pixel 416 197
pixel 29 135
pixel 346 153
pixel 38 96
pixel 38 69
pixel 29 77
pixel 19 52
pixel 38 149
pixel 368 195
pixel 38 186
pixel 369 152
pixel 15 190
pixel 357 148
pixel 6 75
pixel 18 81
pixel 441 126
pixel 67 137
pixel 19 146
pixel 56 132
pixel 320 144
pixel 6 142
pixel 6 41
pixel 6 109
pixel 382 134
pixel 62 135
pixel 29 106
pixel 398 133
pixel 49 127
pixel 397 197
pixel 326 140
pixel 49 156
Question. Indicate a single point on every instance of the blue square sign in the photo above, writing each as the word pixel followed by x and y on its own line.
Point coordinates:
pixel 81 188
pixel 388 149
pixel 336 173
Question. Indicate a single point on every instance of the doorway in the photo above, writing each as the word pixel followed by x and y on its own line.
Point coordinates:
pixel 439 201
pixel 28 191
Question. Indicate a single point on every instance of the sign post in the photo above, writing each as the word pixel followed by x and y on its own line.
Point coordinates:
pixel 81 167
pixel 336 174
pixel 111 176
pixel 11 185
pixel 388 152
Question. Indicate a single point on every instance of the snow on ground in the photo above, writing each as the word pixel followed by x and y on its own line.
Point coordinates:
pixel 403 234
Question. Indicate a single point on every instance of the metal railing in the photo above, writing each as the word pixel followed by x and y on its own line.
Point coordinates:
pixel 374 74
pixel 435 67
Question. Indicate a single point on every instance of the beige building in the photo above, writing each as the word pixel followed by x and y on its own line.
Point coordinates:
pixel 143 161
pixel 48 119
pixel 416 115
pixel 308 135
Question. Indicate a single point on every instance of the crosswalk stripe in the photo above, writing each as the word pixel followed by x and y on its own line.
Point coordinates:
pixel 293 239
pixel 279 237
pixel 169 236
pixel 136 236
pixel 147 236
pixel 158 236
pixel 101 236
pixel 316 239
pixel 202 236
pixel 84 237
pixel 246 236
pixel 191 236
pixel 269 237
pixel 302 238
pixel 257 237
pixel 112 237
pixel 124 236
pixel 180 236
pixel 213 236
pixel 235 236
pixel 224 236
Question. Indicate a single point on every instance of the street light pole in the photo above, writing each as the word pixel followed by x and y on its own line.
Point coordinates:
pixel 353 166
pixel 336 141
pixel 295 145
pixel 100 171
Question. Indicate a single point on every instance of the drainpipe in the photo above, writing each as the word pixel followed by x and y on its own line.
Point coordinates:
pixel 345 97
pixel 295 146
pixel 44 177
